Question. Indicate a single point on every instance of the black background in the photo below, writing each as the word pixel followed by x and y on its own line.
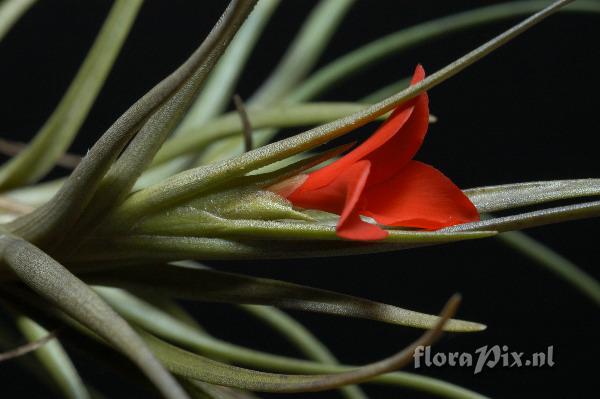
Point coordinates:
pixel 527 112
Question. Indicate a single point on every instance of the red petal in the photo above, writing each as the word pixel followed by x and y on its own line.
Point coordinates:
pixel 357 230
pixel 418 196
pixel 402 133
pixel 343 196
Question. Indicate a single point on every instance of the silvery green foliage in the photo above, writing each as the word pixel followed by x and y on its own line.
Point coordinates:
pixel 103 252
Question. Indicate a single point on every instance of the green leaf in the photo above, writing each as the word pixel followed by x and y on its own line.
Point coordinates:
pixel 138 249
pixel 509 196
pixel 202 390
pixel 278 320
pixel 55 283
pixel 35 195
pixel 190 222
pixel 49 221
pixel 58 132
pixel 219 349
pixel 10 12
pixel 303 339
pixel 201 222
pixel 348 65
pixel 556 263
pixel 387 91
pixel 121 177
pixel 55 360
pixel 217 92
pixel 190 365
pixel 243 197
pixel 190 183
pixel 165 325
pixel 10 340
pixel 301 56
pixel 532 219
pixel 294 332
pixel 24 349
pixel 304 51
pixel 200 137
pixel 214 286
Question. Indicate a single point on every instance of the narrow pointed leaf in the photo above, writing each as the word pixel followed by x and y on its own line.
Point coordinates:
pixel 139 153
pixel 164 325
pixel 202 390
pixel 141 249
pixel 496 198
pixel 509 196
pixel 200 137
pixel 187 184
pixel 22 350
pixel 217 92
pixel 8 341
pixel 303 339
pixel 532 219
pixel 243 197
pixel 189 222
pixel 58 132
pixel 300 58
pixel 348 65
pixel 297 334
pixel 387 91
pixel 215 286
pixel 304 50
pixel 294 332
pixel 190 365
pixel 66 206
pixel 55 360
pixel 55 283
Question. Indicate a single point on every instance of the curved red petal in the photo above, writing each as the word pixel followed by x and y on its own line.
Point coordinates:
pixel 418 74
pixel 344 197
pixel 401 148
pixel 350 225
pixel 418 196
pixel 357 230
pixel 402 133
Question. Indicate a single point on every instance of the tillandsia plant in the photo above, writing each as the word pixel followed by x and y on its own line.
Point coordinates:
pixel 96 261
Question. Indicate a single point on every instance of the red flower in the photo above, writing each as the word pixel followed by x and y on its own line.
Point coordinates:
pixel 379 179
